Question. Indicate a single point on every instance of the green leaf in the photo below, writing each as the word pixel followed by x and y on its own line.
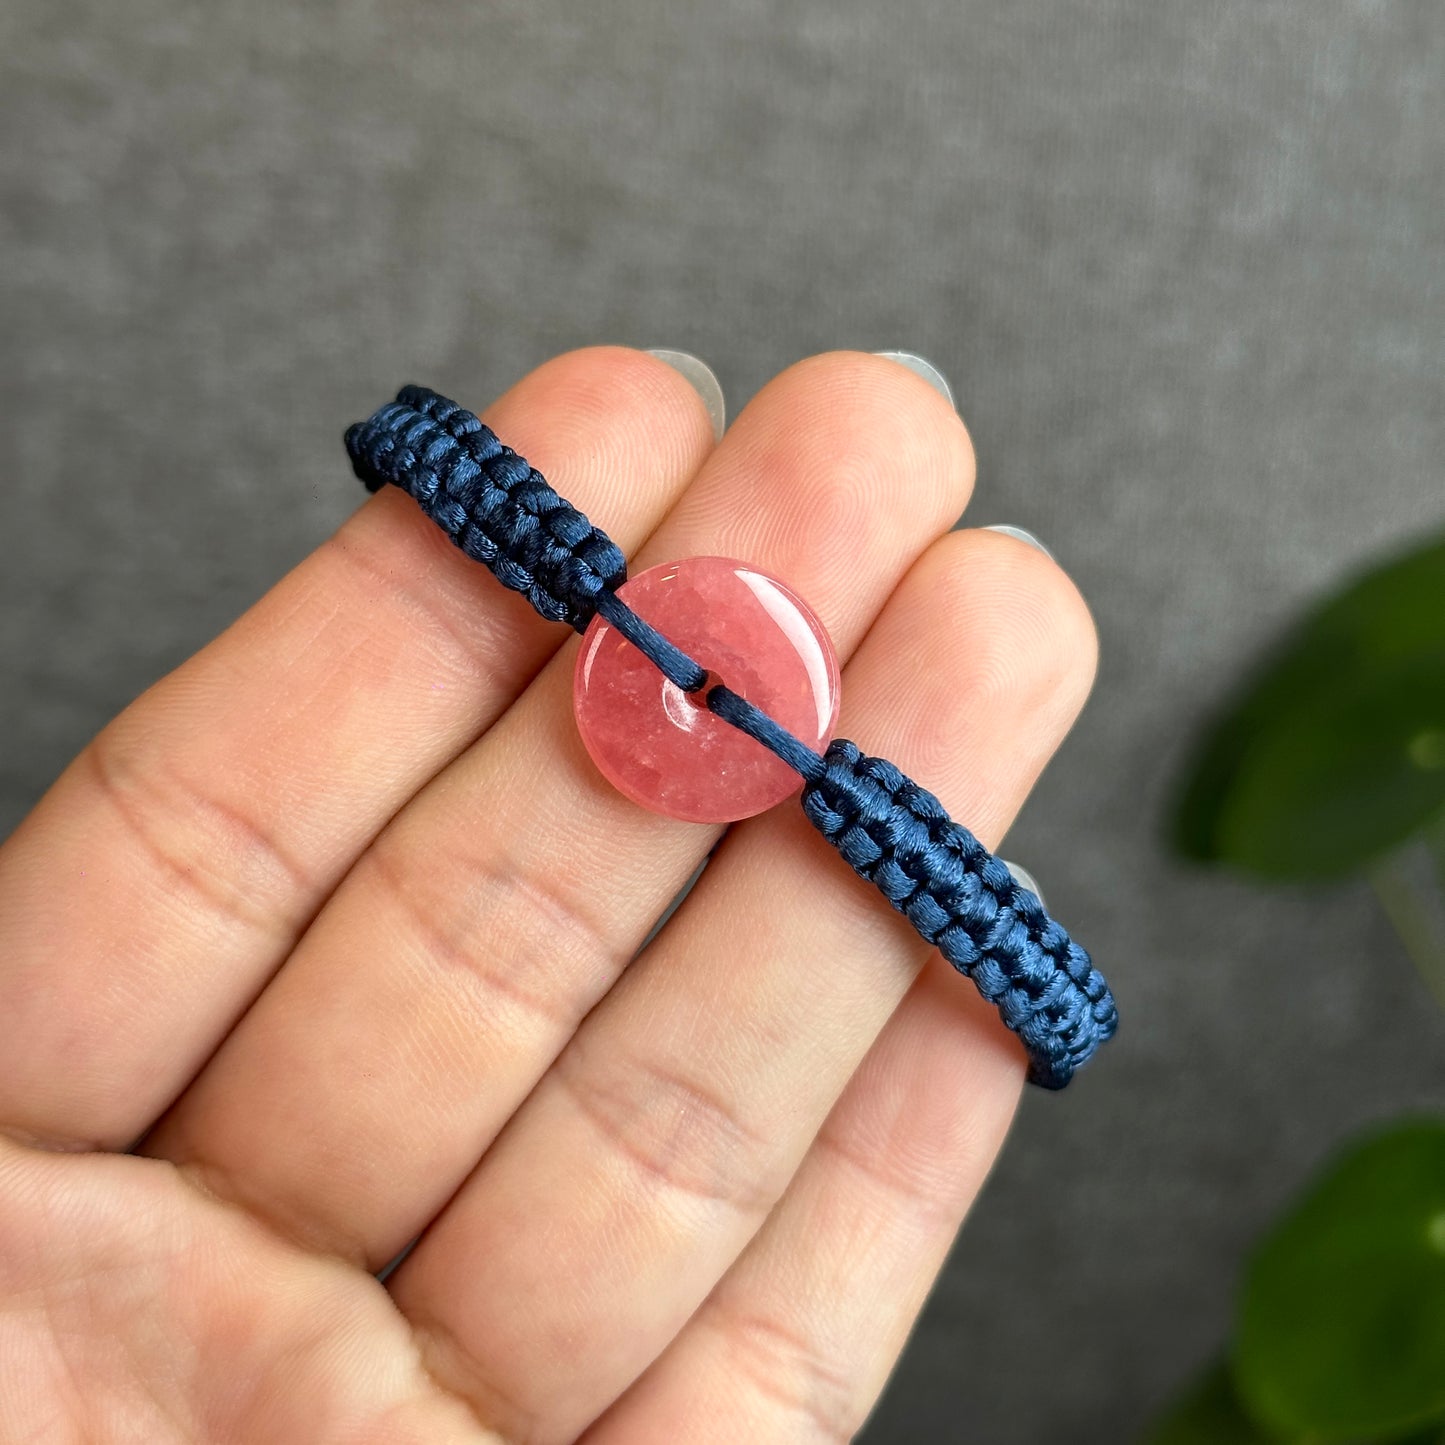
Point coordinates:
pixel 1342 1325
pixel 1335 753
pixel 1209 1413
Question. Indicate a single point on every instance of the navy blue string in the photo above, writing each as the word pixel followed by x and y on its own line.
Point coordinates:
pixel 490 502
pixel 889 830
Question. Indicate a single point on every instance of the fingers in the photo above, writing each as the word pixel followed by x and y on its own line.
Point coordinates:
pixel 458 958
pixel 797 1340
pixel 171 868
pixel 642 1164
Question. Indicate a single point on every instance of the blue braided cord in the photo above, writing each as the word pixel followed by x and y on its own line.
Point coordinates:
pixel 957 895
pixel 960 897
pixel 888 829
pixel 490 502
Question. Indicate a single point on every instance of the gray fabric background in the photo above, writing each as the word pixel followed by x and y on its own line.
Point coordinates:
pixel 1184 263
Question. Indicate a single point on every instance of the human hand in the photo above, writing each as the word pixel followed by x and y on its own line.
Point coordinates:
pixel 339 916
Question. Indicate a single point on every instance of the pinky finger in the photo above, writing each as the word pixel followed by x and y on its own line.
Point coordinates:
pixel 798 1339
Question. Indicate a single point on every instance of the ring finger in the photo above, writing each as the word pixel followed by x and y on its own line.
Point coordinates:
pixel 798 1338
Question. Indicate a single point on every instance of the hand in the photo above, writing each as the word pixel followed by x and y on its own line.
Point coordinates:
pixel 338 917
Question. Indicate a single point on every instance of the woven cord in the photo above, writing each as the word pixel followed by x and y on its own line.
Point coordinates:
pixel 490 502
pixel 956 893
pixel 888 829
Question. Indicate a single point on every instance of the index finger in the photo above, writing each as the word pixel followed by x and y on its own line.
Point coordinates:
pixel 170 869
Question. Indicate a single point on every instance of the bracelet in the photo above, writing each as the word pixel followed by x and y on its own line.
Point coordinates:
pixel 892 832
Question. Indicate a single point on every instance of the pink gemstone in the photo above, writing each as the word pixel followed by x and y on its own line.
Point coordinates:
pixel 661 746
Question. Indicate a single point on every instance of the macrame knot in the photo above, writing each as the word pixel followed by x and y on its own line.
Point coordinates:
pixel 965 901
pixel 495 506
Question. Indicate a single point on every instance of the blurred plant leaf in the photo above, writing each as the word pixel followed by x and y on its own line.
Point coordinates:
pixel 1341 1333
pixel 1335 753
pixel 1209 1413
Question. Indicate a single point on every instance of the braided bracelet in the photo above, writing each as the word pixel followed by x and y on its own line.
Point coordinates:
pixel 501 511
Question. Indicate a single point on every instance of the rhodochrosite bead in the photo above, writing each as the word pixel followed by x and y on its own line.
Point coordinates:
pixel 661 746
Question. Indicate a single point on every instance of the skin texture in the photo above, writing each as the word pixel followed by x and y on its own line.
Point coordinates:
pixel 340 921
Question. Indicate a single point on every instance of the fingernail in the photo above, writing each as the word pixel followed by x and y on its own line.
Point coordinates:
pixel 1025 879
pixel 919 367
pixel 1019 535
pixel 700 376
